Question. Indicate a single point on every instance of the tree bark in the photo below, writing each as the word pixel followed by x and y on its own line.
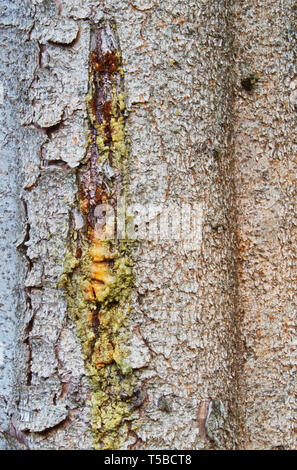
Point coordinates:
pixel 208 127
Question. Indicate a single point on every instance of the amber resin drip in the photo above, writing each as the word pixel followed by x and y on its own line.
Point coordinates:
pixel 98 272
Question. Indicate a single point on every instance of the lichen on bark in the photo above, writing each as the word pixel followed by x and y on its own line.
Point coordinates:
pixel 98 272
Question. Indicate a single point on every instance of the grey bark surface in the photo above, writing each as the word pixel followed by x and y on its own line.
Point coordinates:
pixel 212 328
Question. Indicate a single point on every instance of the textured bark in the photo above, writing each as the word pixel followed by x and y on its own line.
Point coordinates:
pixel 265 149
pixel 210 119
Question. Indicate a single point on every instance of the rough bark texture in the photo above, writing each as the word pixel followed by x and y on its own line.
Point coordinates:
pixel 211 96
pixel 265 169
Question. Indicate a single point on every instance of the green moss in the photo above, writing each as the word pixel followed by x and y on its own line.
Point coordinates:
pixel 105 352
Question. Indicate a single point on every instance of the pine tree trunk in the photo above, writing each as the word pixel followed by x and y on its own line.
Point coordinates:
pixel 182 108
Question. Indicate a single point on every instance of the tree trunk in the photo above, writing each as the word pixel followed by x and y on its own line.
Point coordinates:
pixel 180 118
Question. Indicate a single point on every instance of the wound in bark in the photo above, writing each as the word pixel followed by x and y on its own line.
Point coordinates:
pixel 98 271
